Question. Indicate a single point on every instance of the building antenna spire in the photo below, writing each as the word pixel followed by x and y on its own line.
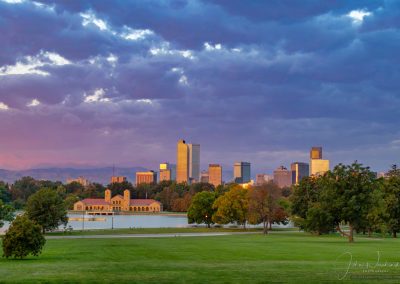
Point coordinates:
pixel 113 170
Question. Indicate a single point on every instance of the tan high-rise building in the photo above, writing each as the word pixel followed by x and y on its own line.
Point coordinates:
pixel 187 162
pixel 118 179
pixel 317 165
pixel 316 153
pixel 182 162
pixel 215 174
pixel 241 172
pixel 146 177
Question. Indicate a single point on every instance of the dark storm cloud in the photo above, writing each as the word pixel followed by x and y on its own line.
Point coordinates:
pixel 250 80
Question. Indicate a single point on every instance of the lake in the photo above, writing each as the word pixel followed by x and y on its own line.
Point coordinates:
pixel 129 221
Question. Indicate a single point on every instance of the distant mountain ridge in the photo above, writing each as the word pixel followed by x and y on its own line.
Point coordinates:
pixel 99 175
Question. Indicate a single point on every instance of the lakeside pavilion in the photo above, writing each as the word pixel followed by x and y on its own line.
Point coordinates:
pixel 118 203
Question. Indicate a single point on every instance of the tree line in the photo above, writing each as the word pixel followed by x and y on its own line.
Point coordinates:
pixel 265 204
pixel 348 199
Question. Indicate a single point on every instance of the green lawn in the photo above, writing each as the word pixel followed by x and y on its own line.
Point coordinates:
pixel 278 257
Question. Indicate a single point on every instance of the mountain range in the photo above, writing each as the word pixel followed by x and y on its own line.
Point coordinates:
pixel 99 175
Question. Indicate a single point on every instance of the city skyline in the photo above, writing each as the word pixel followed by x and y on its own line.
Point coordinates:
pixel 94 83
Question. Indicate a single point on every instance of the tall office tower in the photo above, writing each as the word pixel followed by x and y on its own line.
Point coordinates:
pixel 317 165
pixel 194 162
pixel 316 153
pixel 182 162
pixel 146 177
pixel 282 177
pixel 241 172
pixel 299 171
pixel 167 171
pixel 215 174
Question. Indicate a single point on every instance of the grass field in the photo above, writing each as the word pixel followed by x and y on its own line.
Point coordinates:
pixel 277 257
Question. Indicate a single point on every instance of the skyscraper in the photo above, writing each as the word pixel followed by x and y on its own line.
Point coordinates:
pixel 187 162
pixel 282 177
pixel 318 166
pixel 194 162
pixel 299 171
pixel 167 171
pixel 241 172
pixel 182 162
pixel 215 174
pixel 316 153
pixel 146 177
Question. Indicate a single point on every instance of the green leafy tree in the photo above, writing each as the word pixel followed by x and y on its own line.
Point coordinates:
pixel 47 209
pixel 6 213
pixel 347 195
pixel 304 195
pixel 201 209
pixel 5 195
pixel 119 187
pixel 24 237
pixel 391 196
pixel 231 207
pixel 318 220
pixel 23 188
pixel 70 200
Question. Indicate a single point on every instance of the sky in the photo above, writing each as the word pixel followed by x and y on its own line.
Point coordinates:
pixel 96 83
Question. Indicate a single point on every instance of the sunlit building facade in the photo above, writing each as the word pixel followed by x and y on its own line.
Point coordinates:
pixel 118 179
pixel 182 162
pixel 146 177
pixel 167 172
pixel 215 174
pixel 318 166
pixel 241 172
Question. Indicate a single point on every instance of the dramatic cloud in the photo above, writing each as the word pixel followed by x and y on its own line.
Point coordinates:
pixel 119 82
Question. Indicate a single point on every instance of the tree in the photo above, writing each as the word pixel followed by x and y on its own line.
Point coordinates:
pixel 304 195
pixel 201 209
pixel 167 197
pixel 232 207
pixel 311 206
pixel 391 197
pixel 5 195
pixel 6 213
pixel 24 237
pixel 47 209
pixel 23 188
pixel 318 220
pixel 347 195
pixel 260 206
